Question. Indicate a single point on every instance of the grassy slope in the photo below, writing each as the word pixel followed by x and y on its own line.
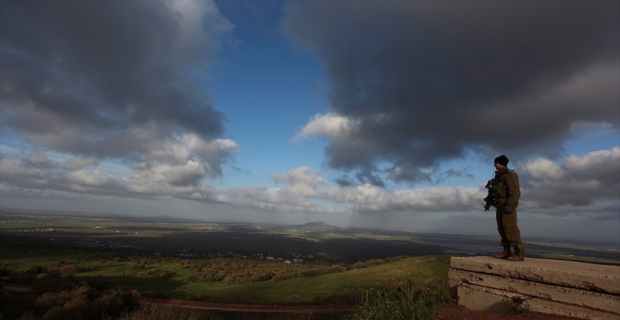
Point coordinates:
pixel 342 286
pixel 337 286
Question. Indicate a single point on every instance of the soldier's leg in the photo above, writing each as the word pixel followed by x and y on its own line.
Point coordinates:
pixel 499 218
pixel 505 243
pixel 513 234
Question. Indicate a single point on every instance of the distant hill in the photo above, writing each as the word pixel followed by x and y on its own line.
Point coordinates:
pixel 316 226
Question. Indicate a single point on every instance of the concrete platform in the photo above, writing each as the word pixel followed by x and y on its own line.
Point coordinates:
pixel 580 290
pixel 577 297
pixel 504 302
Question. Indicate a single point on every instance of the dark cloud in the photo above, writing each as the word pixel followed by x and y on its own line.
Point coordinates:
pixel 344 181
pixel 370 178
pixel 426 81
pixel 107 78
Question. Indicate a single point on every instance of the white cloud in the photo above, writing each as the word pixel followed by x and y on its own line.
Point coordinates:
pixel 15 168
pixel 543 168
pixel 330 124
pixel 301 181
pixel 184 159
pixel 371 199
pixel 581 184
pixel 593 160
pixel 88 178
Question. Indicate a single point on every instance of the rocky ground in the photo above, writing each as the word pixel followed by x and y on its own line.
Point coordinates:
pixel 460 313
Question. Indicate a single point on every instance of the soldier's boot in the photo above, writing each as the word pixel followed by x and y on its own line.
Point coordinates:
pixel 504 254
pixel 519 254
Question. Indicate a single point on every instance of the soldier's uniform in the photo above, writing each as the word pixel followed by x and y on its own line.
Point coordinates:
pixel 506 192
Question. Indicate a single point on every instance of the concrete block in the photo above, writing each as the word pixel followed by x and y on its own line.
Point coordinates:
pixel 551 307
pixel 586 276
pixel 488 300
pixel 572 296
pixel 504 302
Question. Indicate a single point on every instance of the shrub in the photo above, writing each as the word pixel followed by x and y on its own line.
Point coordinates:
pixel 68 269
pixel 233 279
pixel 59 313
pixel 260 277
pixel 311 273
pixel 335 269
pixel 284 276
pixel 219 275
pixel 111 303
pixel 196 278
pixel 404 302
pixel 83 302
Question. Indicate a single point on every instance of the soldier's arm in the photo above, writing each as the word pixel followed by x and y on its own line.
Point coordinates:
pixel 514 192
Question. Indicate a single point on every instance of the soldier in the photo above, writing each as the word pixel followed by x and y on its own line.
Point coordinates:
pixel 505 192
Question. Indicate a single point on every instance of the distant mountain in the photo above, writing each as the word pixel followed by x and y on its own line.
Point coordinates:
pixel 317 223
pixel 316 226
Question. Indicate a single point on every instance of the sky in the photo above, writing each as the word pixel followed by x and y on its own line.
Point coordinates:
pixel 373 114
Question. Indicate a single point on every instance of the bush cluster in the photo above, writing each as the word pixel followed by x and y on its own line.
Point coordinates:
pixel 58 297
pixel 155 273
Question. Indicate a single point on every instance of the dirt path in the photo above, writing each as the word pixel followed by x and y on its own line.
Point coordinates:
pixel 252 307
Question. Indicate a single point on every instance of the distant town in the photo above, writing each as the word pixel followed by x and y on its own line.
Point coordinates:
pixel 311 242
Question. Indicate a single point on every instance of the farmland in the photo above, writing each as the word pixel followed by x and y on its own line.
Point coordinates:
pixel 307 264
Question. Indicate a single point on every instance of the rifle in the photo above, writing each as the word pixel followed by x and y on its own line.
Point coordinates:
pixel 489 200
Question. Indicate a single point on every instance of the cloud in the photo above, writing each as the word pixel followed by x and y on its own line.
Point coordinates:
pixel 184 159
pixel 581 184
pixel 80 162
pixel 584 185
pixel 331 125
pixel 20 179
pixel 368 199
pixel 102 80
pixel 301 181
pixel 298 194
pixel 38 160
pixel 16 168
pixel 415 83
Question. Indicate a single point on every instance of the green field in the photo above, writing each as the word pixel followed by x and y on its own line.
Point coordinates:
pixel 232 280
pixel 218 262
